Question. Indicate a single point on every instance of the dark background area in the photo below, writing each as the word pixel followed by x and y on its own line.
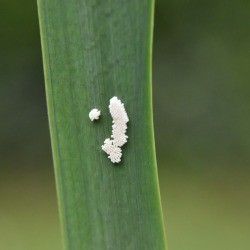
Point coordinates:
pixel 202 123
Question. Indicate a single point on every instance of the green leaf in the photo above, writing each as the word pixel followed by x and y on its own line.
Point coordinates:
pixel 94 50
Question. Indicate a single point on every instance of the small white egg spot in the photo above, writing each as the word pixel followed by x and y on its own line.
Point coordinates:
pixel 94 114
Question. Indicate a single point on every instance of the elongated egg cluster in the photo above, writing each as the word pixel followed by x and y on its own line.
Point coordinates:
pixel 112 146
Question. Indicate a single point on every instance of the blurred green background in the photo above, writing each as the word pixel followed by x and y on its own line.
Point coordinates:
pixel 202 127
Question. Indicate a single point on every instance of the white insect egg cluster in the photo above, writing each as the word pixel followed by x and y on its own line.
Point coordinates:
pixel 118 138
pixel 94 114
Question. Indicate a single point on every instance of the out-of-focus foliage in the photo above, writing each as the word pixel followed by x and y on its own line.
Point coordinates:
pixel 202 77
pixel 202 122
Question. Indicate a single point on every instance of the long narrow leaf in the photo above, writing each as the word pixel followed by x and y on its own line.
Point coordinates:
pixel 94 50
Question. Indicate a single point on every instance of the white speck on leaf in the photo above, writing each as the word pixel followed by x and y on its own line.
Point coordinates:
pixel 120 119
pixel 94 114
